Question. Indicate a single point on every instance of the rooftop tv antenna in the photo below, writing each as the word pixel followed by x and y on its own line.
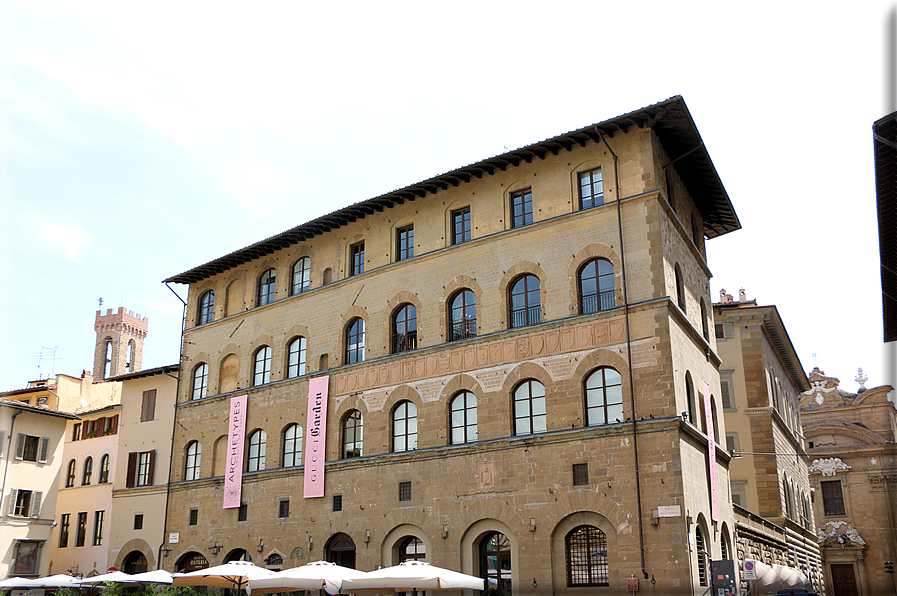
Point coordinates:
pixel 51 355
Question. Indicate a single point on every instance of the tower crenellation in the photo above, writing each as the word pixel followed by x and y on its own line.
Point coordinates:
pixel 119 346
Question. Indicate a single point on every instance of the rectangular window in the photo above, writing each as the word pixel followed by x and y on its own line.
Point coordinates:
pixel 461 226
pixel 194 517
pixel 521 208
pixel 242 513
pixel 404 243
pixel 138 521
pixel 284 509
pixel 76 432
pixel 22 503
pixel 145 469
pixel 98 527
pixel 726 391
pixel 732 442
pixel 81 530
pixel 739 493
pixel 64 523
pixel 404 491
pixel 580 474
pixel 356 259
pixel 832 497
pixel 337 502
pixel 591 189
pixel 148 406
pixel 29 448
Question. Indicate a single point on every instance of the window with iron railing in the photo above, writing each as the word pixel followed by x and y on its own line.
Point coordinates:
pixel 525 305
pixel 596 286
pixel 404 329
pixel 462 315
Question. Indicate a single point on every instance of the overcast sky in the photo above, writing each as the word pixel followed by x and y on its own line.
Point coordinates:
pixel 138 140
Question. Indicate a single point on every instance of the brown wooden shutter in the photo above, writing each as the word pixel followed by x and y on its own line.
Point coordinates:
pixel 114 430
pixel 151 413
pixel 152 463
pixel 132 469
pixel 76 432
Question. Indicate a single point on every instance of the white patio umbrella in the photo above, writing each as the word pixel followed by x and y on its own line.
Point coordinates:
pixel 54 581
pixel 767 582
pixel 410 576
pixel 317 575
pixel 159 576
pixel 235 574
pixel 114 577
pixel 16 583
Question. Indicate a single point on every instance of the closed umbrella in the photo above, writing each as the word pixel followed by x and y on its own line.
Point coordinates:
pixel 235 574
pixel 319 575
pixel 767 582
pixel 410 576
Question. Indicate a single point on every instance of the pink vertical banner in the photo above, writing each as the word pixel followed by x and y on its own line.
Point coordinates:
pixel 316 434
pixel 711 451
pixel 233 471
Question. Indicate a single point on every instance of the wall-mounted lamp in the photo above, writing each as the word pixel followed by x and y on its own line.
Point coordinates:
pixel 684 416
pixel 310 543
pixel 534 582
pixel 367 536
pixel 215 548
pixel 444 532
pixel 532 528
pixel 735 454
pixel 261 545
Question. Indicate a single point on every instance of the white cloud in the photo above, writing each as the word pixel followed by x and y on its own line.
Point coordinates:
pixel 69 241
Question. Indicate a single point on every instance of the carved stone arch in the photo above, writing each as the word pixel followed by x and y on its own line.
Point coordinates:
pixel 219 456
pixel 229 371
pixel 458 383
pixel 523 371
pixel 510 276
pixel 264 560
pixel 559 535
pixel 494 521
pixel 135 544
pixel 343 407
pixel 235 300
pixel 191 365
pixel 400 394
pixel 389 547
pixel 254 346
pixel 458 283
pixel 300 252
pixel 701 522
pixel 873 395
pixel 579 260
pixel 599 358
pixel 726 537
pixel 198 292
pixel 392 305
pixel 846 430
pixel 288 336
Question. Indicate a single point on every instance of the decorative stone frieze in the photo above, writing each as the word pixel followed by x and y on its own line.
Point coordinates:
pixel 827 467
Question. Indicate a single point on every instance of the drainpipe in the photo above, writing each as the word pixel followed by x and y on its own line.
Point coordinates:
pixel 177 393
pixel 638 484
pixel 8 455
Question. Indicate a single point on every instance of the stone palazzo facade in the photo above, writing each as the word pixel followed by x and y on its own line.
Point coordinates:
pixel 522 382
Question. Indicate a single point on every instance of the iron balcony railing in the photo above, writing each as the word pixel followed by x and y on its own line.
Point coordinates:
pixel 402 342
pixel 598 302
pixel 463 329
pixel 526 316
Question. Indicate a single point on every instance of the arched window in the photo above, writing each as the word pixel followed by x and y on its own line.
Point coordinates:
pixel 301 276
pixel 724 546
pixel 714 418
pixel 404 427
pixel 129 357
pixel 340 550
pixel 680 289
pixel 462 315
pixel 88 471
pixel 705 327
pixel 529 408
pixel 604 397
pixel 267 286
pixel 355 341
pixel 104 469
pixel 296 358
pixel 596 287
pixel 412 548
pixel 586 553
pixel 194 455
pixel 702 556
pixel 257 443
pixel 495 563
pixel 690 398
pixel 464 418
pixel 107 367
pixel 292 446
pixel 70 474
pixel 404 329
pixel 353 434
pixel 206 308
pixel 200 381
pixel 524 302
pixel 261 372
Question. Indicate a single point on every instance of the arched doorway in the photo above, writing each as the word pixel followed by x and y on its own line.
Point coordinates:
pixel 238 554
pixel 192 561
pixel 495 563
pixel 341 550
pixel 135 562
pixel 412 548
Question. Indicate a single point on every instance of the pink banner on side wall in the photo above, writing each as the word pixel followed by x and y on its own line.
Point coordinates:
pixel 233 472
pixel 315 441
pixel 711 452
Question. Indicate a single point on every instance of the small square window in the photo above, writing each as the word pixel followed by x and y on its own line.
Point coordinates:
pixel 194 516
pixel 241 512
pixel 138 521
pixel 580 474
pixel 284 510
pixel 337 502
pixel 404 491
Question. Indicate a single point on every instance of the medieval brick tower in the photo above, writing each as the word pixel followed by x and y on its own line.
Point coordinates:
pixel 119 348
